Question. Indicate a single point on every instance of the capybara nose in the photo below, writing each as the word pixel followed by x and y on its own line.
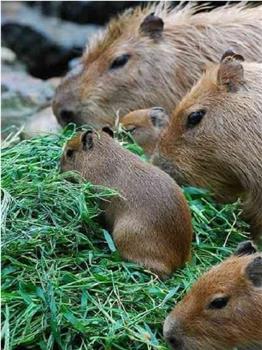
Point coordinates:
pixel 174 342
pixel 63 112
pixel 66 115
pixel 172 333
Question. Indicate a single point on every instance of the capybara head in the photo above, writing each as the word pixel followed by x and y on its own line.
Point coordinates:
pixel 151 57
pixel 112 76
pixel 223 309
pixel 214 134
pixel 145 126
pixel 87 152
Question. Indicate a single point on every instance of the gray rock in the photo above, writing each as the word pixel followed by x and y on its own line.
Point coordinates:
pixel 7 56
pixel 43 122
pixel 22 96
pixel 10 62
pixel 44 44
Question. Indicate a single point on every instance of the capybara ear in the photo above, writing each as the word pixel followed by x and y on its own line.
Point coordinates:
pixel 159 117
pixel 152 25
pixel 108 130
pixel 254 271
pixel 87 139
pixel 230 54
pixel 231 73
pixel 245 248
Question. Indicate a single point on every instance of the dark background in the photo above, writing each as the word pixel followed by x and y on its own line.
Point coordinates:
pixel 47 35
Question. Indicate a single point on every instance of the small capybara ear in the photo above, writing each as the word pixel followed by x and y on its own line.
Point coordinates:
pixel 229 54
pixel 152 25
pixel 254 271
pixel 108 130
pixel 87 139
pixel 159 117
pixel 245 248
pixel 230 73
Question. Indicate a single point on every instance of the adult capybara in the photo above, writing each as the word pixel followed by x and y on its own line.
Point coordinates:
pixel 145 126
pixel 152 57
pixel 214 138
pixel 223 309
pixel 149 220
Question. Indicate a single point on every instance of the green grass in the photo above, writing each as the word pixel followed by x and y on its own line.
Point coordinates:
pixel 63 284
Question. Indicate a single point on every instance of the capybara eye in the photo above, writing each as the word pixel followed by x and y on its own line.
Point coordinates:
pixel 218 303
pixel 120 61
pixel 69 153
pixel 195 117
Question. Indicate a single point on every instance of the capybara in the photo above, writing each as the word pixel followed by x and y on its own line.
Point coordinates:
pixel 150 220
pixel 151 57
pixel 145 126
pixel 214 138
pixel 223 309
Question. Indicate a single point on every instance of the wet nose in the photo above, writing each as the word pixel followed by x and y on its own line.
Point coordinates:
pixel 174 342
pixel 172 333
pixel 63 113
pixel 67 115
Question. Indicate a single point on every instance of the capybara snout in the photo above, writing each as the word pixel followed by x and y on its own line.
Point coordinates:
pixel 173 333
pixel 223 309
pixel 66 103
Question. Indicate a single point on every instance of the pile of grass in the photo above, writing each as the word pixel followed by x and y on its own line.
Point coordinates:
pixel 64 285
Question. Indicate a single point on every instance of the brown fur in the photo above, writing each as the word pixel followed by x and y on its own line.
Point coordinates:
pixel 193 325
pixel 150 220
pixel 145 126
pixel 223 152
pixel 161 69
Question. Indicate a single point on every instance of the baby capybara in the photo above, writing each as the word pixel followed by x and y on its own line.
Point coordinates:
pixel 145 126
pixel 223 309
pixel 149 220
pixel 214 138
pixel 152 56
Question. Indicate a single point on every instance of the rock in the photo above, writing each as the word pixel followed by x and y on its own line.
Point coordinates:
pixel 83 12
pixel 22 96
pixel 45 45
pixel 43 122
pixel 10 62
pixel 7 56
